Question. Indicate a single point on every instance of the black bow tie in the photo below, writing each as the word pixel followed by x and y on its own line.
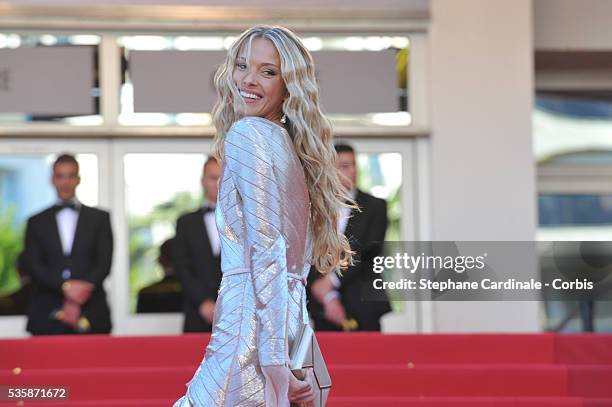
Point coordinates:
pixel 65 205
pixel 207 209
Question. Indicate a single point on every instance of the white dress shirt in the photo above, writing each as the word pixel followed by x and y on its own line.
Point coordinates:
pixel 212 232
pixel 343 219
pixel 67 219
pixel 344 214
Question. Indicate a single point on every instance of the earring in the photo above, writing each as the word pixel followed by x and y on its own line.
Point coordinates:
pixel 284 119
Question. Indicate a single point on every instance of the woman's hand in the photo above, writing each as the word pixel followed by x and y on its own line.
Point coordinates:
pixel 302 391
pixel 282 384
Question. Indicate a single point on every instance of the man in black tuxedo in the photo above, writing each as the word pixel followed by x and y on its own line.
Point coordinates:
pixel 337 300
pixel 197 258
pixel 68 253
pixel 164 295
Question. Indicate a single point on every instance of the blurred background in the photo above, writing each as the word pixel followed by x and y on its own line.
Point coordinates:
pixel 474 119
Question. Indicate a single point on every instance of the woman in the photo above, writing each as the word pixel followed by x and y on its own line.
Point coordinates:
pixel 277 213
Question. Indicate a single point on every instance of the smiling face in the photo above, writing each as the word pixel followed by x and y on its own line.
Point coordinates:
pixel 258 79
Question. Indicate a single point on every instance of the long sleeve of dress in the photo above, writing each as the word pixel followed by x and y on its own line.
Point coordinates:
pixel 252 170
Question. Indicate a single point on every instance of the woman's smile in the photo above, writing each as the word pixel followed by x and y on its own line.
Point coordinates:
pixel 257 75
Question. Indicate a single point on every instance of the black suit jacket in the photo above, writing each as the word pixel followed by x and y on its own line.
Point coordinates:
pixel 162 296
pixel 366 233
pixel 90 260
pixel 198 268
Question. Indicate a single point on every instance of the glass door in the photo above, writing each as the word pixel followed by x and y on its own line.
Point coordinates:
pixel 155 182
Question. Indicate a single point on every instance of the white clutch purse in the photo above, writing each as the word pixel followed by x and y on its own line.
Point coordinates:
pixel 306 354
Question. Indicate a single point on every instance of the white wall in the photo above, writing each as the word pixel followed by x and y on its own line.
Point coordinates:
pixel 483 174
pixel 573 24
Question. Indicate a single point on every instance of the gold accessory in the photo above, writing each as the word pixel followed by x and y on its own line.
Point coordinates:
pixel 349 325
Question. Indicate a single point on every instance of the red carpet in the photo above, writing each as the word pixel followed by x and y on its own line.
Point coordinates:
pixel 367 369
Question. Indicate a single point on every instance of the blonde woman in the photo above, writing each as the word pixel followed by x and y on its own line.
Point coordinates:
pixel 277 214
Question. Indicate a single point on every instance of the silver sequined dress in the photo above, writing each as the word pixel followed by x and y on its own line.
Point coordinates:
pixel 262 214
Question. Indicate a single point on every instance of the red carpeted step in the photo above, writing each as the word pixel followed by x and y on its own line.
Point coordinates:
pixel 356 380
pixel 597 402
pixel 590 381
pixel 107 383
pixel 372 402
pixel 450 380
pixel 589 349
pixel 102 351
pixel 105 403
pixel 338 348
pixel 456 402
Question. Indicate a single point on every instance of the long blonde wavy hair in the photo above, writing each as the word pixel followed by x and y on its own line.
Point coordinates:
pixel 310 131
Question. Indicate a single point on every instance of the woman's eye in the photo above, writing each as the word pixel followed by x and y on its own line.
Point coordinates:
pixel 240 65
pixel 269 72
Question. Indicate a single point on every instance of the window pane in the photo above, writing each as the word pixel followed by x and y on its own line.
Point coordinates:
pixel 158 188
pixel 208 48
pixel 573 124
pixel 30 61
pixel 575 217
pixel 381 175
pixel 566 210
